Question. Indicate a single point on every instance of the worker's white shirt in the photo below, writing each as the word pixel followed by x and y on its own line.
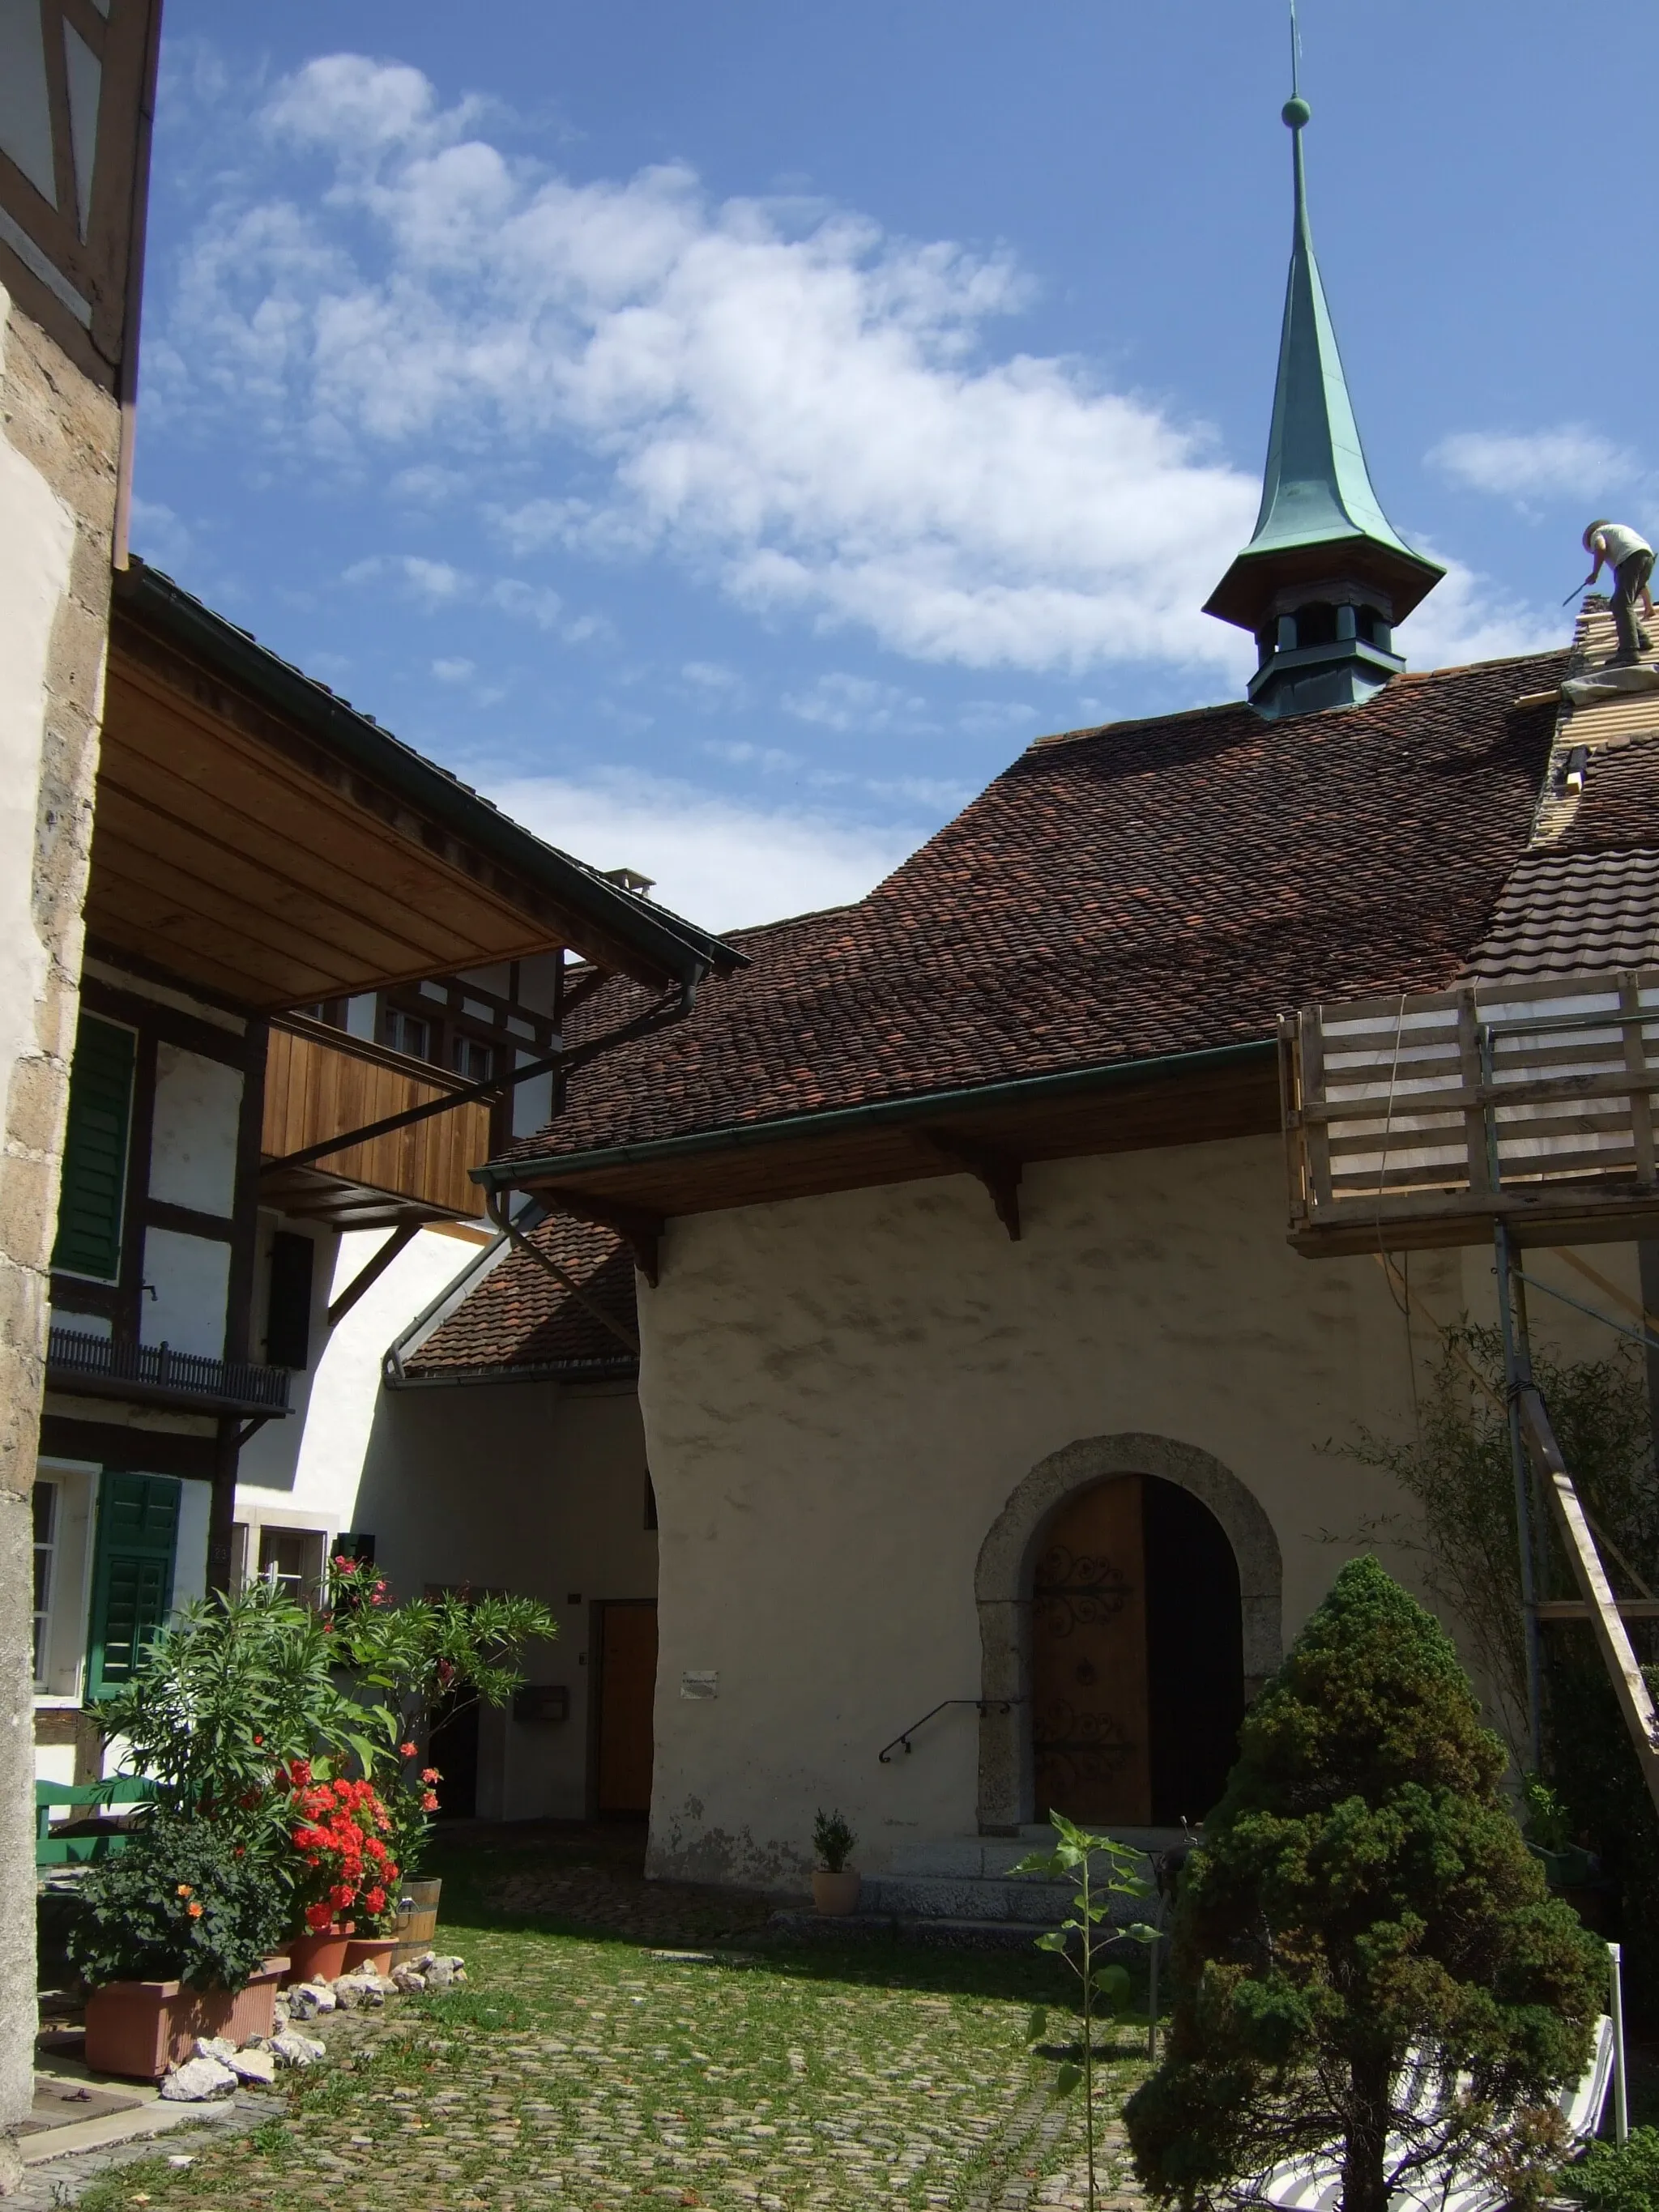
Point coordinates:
pixel 1617 544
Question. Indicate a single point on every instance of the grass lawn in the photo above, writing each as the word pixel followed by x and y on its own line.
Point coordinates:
pixel 581 2069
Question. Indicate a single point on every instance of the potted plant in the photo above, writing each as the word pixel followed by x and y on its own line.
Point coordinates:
pixel 346 1867
pixel 456 1649
pixel 180 1936
pixel 834 1884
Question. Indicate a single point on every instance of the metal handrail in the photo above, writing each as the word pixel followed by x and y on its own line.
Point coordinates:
pixel 986 1705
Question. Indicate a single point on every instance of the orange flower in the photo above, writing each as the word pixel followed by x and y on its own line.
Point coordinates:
pixel 195 1912
pixel 183 1889
pixel 431 1774
pixel 405 1751
pixel 429 1801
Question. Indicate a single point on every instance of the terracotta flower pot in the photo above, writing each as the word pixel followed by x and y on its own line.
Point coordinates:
pixel 835 1893
pixel 138 2029
pixel 370 1951
pixel 317 1958
pixel 414 1929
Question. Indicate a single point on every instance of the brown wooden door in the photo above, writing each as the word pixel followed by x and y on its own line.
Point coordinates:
pixel 628 1688
pixel 1089 1703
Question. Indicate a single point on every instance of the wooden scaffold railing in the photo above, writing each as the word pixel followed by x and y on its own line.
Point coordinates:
pixel 1521 1112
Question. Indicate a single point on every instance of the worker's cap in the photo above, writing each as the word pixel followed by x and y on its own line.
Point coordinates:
pixel 1601 523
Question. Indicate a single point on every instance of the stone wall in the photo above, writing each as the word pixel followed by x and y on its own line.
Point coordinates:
pixel 59 444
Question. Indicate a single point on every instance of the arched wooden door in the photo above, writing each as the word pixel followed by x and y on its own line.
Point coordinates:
pixel 1137 1656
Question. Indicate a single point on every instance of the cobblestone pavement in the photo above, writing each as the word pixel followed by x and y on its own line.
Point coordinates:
pixel 625 2056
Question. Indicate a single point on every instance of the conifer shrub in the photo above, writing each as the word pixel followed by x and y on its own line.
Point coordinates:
pixel 1364 1899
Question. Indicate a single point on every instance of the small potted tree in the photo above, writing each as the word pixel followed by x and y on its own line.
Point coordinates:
pixel 834 1884
pixel 180 1936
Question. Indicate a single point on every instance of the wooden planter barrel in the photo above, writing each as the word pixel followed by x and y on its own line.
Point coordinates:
pixel 138 2029
pixel 416 1926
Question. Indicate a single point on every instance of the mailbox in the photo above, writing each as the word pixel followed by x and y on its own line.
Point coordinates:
pixel 541 1702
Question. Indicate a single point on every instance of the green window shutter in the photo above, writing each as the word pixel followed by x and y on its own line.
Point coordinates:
pixel 132 1581
pixel 95 1185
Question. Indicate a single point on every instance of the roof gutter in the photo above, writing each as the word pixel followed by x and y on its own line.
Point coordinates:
pixel 1021 1090
pixel 676 947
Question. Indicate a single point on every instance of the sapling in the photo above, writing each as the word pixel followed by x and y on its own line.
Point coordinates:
pixel 1103 1988
pixel 833 1840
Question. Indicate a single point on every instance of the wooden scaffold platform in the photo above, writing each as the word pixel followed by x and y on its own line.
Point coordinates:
pixel 1521 1113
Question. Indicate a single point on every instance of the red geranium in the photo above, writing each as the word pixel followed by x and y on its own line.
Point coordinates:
pixel 337 1832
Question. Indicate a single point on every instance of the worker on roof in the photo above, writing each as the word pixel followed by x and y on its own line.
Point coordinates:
pixel 1631 559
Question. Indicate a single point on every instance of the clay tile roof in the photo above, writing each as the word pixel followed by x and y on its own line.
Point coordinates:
pixel 518 1318
pixel 1149 888
pixel 1589 899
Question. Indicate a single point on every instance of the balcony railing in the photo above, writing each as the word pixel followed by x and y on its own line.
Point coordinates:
pixel 157 1373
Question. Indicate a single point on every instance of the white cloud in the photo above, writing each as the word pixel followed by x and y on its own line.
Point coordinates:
pixel 453 671
pixel 840 702
pixel 806 411
pixel 1461 622
pixel 1570 460
pixel 439 583
pixel 157 533
pixel 717 861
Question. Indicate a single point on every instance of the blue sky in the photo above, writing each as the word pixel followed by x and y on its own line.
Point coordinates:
pixel 725 433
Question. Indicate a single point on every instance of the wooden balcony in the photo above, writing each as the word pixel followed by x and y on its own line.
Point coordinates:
pixel 319 1083
pixel 1421 1120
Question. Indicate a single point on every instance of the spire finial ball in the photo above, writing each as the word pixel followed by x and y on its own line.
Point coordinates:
pixel 1296 112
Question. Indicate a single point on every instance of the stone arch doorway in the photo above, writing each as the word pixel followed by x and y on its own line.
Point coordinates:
pixel 1137 1656
pixel 1006 1581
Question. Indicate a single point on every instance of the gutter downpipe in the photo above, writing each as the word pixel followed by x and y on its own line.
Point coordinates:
pixel 392 1360
pixel 508 1174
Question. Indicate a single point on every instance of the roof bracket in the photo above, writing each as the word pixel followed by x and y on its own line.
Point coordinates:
pixel 372 1269
pixel 998 1170
pixel 640 1231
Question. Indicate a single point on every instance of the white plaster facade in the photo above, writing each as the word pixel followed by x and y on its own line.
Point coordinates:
pixel 842 1394
pixel 537 1488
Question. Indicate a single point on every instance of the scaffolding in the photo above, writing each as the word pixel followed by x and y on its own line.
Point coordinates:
pixel 1517 1113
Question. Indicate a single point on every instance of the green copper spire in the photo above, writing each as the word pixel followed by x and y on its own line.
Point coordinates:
pixel 1325 567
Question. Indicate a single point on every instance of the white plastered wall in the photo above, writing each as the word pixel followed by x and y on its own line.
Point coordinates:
pixel 841 1394
pixel 528 1488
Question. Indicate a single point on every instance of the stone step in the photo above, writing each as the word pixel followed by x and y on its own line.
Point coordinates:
pixel 968 1932
pixel 965 1897
pixel 980 1857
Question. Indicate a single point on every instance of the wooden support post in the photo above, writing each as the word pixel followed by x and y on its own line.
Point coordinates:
pixel 1630 1686
pixel 1518 1376
pixel 372 1269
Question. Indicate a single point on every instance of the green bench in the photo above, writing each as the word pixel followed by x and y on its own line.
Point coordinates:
pixel 53 1848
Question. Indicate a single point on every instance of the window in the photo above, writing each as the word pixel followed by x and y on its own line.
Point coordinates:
pixel 293 1557
pixel 331 1010
pixel 287 1306
pixel 132 1581
pixel 94 1181
pixel 404 1033
pixel 470 1059
pixel 45 1553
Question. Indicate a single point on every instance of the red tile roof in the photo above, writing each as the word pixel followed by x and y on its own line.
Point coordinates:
pixel 1120 894
pixel 519 1319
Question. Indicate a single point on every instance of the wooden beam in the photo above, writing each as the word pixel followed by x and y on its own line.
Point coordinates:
pixel 641 1233
pixel 999 1170
pixel 372 1270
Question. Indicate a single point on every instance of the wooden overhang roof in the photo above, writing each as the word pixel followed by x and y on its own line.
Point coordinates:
pixel 257 837
pixel 1094 955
